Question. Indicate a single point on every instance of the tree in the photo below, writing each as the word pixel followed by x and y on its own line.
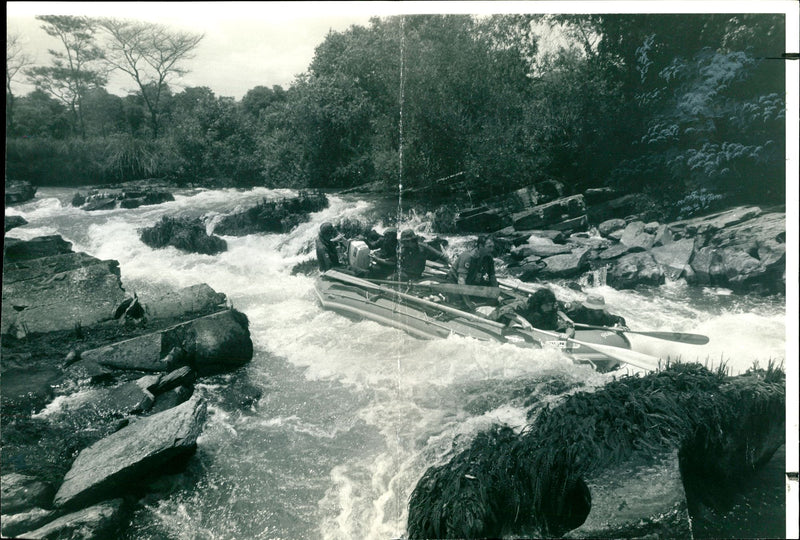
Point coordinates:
pixel 151 55
pixel 16 61
pixel 76 69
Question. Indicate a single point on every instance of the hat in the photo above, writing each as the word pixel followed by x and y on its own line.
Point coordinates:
pixel 407 234
pixel 594 301
pixel 390 231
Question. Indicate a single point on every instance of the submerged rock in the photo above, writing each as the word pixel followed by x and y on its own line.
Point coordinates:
pixel 96 522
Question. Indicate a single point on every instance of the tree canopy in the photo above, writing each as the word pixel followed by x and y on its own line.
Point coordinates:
pixel 691 107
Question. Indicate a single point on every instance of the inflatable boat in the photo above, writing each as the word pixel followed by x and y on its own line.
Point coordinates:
pixel 421 317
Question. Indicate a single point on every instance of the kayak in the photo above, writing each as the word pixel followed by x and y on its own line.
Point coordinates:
pixel 360 299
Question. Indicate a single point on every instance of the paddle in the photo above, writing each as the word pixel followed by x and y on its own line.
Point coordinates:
pixel 450 288
pixel 339 276
pixel 680 337
pixel 626 356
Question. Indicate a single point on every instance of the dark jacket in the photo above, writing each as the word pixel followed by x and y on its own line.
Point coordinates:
pixel 412 260
pixel 327 255
pixel 595 317
pixel 475 269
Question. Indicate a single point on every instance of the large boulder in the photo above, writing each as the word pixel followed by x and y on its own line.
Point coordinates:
pixel 635 234
pixel 674 257
pixel 96 522
pixel 636 498
pixel 19 192
pixel 113 464
pixel 213 344
pixel 210 344
pixel 710 224
pixel 635 269
pixel 24 270
pixel 567 265
pixel 197 298
pixel 185 234
pixel 544 216
pixel 79 297
pixel 272 216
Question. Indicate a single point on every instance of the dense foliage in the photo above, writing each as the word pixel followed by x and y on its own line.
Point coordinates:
pixel 687 107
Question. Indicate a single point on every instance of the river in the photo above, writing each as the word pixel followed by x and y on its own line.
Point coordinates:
pixel 351 414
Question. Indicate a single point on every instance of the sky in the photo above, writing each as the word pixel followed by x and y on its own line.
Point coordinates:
pixel 247 44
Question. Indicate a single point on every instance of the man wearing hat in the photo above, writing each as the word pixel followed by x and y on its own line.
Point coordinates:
pixel 593 311
pixel 474 267
pixel 327 253
pixel 412 256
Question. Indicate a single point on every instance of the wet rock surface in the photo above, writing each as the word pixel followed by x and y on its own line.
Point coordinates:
pixel 129 425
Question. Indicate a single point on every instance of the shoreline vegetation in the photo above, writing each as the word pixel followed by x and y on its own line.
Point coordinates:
pixel 654 152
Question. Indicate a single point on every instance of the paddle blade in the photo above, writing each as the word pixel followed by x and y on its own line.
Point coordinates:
pixel 691 339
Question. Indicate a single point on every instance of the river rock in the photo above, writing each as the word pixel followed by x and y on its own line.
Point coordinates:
pixel 637 499
pixel 20 492
pixel 82 296
pixel 185 234
pixel 634 269
pixel 480 220
pixel 539 247
pixel 213 343
pixel 171 398
pixel 674 257
pixel 136 451
pixel 193 299
pixel 567 265
pixel 708 225
pixel 128 398
pixel 11 222
pixel 618 250
pixel 599 195
pixel 183 376
pixel 42 246
pixel 19 191
pixel 544 216
pixel 610 225
pixel 634 235
pixel 16 524
pixel 15 271
pixel 272 216
pixel 96 522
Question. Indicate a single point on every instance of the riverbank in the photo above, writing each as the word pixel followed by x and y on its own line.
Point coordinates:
pixel 116 376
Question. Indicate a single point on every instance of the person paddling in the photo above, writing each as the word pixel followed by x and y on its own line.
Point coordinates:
pixel 592 311
pixel 384 258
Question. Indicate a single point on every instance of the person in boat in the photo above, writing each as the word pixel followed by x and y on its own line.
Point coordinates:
pixel 474 267
pixel 327 252
pixel 592 311
pixel 541 310
pixel 384 258
pixel 412 256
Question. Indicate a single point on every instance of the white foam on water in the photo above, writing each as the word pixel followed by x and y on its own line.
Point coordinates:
pixel 407 411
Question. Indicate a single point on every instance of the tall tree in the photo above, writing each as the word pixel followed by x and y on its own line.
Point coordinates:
pixel 16 60
pixel 76 68
pixel 151 55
